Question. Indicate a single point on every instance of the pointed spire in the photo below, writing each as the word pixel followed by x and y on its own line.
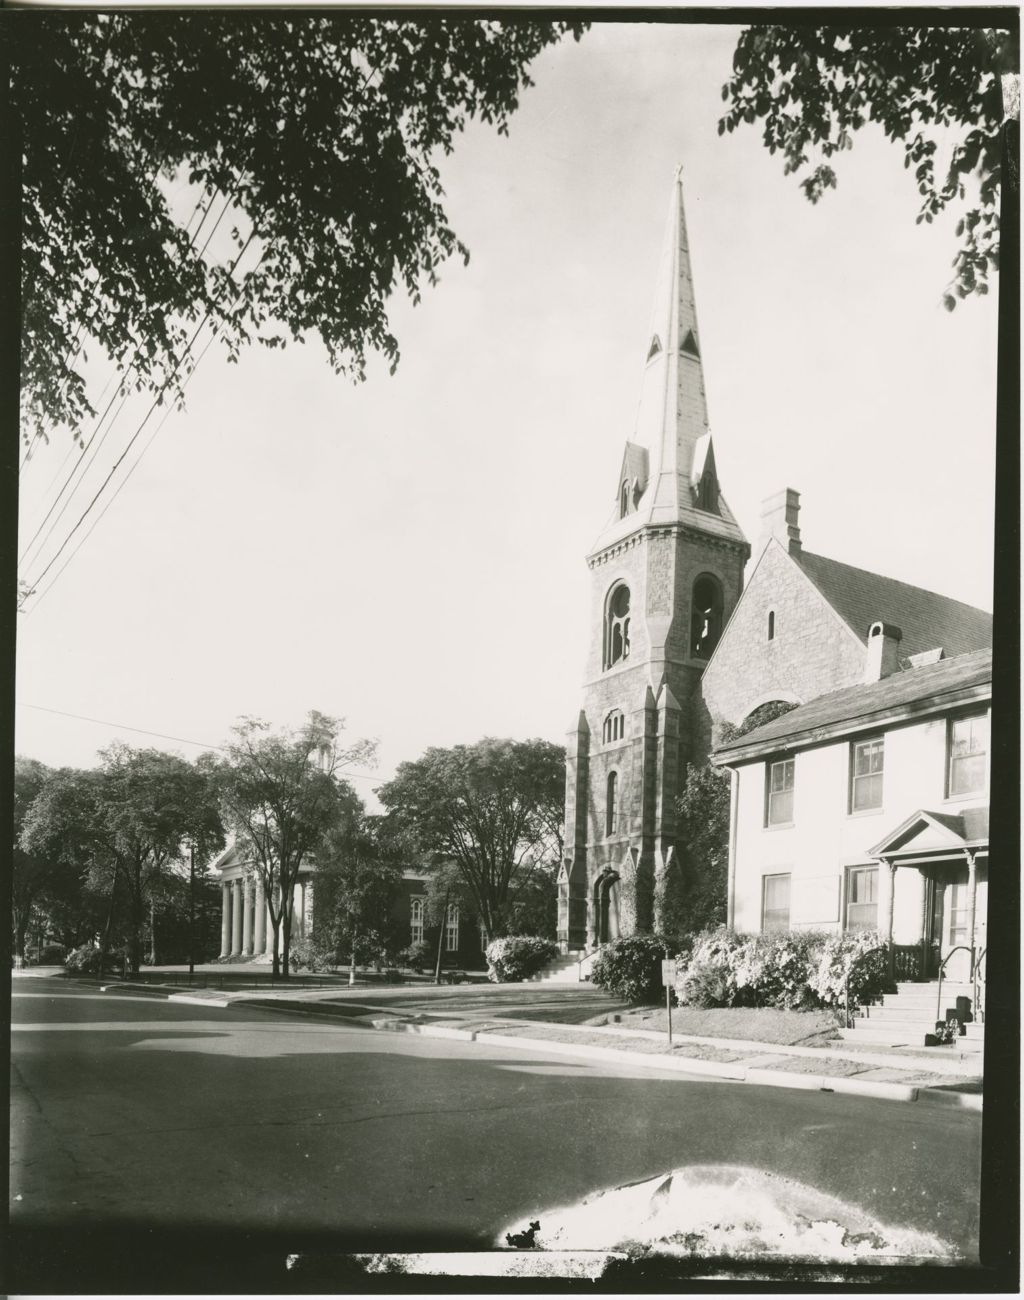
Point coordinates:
pixel 679 483
pixel 672 415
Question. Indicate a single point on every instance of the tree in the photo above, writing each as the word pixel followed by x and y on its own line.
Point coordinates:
pixel 31 872
pixel 359 874
pixel 813 88
pixel 494 809
pixel 313 136
pixel 281 793
pixel 129 821
pixel 703 833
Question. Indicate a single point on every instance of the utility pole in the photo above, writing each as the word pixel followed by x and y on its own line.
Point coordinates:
pixel 191 909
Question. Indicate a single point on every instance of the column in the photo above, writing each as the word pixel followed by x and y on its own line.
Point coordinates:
pixel 236 918
pixel 307 905
pixel 890 908
pixel 260 941
pixel 298 927
pixel 972 895
pixel 225 920
pixel 247 893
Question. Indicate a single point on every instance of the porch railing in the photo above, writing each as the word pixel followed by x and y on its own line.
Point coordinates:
pixel 942 970
pixel 978 983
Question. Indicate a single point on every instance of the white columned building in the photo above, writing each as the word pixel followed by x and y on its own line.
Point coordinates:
pixel 246 929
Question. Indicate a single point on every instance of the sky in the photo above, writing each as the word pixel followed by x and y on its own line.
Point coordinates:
pixel 409 553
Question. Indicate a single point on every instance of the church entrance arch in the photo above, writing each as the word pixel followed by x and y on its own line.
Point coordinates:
pixel 606 907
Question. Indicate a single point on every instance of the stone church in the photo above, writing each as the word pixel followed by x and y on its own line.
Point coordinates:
pixel 678 645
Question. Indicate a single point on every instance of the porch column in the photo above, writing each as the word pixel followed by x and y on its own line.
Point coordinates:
pixel 925 901
pixel 307 906
pixel 269 926
pixel 247 892
pixel 225 919
pixel 236 918
pixel 260 941
pixel 889 910
pixel 298 920
pixel 972 895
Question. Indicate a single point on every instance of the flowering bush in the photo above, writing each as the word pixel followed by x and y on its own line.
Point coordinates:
pixel 85 960
pixel 517 957
pixel 630 968
pixel 788 969
pixel 837 954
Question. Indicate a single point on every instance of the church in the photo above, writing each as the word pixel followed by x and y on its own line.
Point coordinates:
pixel 680 646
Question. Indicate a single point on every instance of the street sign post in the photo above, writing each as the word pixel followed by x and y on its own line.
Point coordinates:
pixel 668 978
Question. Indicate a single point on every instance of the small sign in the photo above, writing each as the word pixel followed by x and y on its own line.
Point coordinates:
pixel 668 973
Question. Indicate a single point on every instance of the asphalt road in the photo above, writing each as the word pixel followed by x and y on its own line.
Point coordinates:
pixel 149 1136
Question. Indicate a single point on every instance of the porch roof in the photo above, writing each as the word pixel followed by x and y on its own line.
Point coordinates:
pixel 930 834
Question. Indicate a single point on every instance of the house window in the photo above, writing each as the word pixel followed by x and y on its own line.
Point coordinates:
pixel 781 777
pixel 614 726
pixel 771 625
pixel 775 902
pixel 705 616
pixel 862 898
pixel 958 912
pixel 867 763
pixel 451 928
pixel 616 636
pixel 611 810
pixel 968 754
pixel 416 919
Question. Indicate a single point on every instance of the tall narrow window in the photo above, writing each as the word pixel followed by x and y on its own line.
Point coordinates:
pixel 416 919
pixel 968 754
pixel 775 902
pixel 451 928
pixel 867 765
pixel 706 616
pixel 862 898
pixel 617 626
pixel 771 625
pixel 611 804
pixel 781 779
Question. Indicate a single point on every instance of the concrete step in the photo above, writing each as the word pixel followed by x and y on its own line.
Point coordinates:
pixel 909 1034
pixel 896 1010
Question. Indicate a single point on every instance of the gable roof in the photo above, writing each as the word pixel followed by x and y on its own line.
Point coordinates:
pixel 908 693
pixel 926 619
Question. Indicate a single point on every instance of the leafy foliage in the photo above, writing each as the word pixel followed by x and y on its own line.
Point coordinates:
pixel 630 968
pixel 786 969
pixel 359 875
pixel 694 896
pixel 814 88
pixel 418 955
pixel 494 810
pixel 759 717
pixel 517 957
pixel 314 134
pixel 310 954
pixel 280 793
pixel 84 960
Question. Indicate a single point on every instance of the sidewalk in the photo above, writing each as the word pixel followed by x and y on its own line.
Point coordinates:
pixel 464 1013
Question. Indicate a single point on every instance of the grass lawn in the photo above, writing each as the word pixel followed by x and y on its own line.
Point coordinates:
pixel 756 1024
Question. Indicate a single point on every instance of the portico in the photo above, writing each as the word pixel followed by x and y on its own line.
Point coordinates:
pixel 246 928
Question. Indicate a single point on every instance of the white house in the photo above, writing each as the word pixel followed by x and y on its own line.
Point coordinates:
pixel 868 808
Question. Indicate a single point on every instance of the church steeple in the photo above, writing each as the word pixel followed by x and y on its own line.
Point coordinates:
pixel 672 435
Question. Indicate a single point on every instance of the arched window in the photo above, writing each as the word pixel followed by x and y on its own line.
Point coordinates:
pixel 416 919
pixel 771 625
pixel 706 616
pixel 616 632
pixel 624 500
pixel 614 726
pixel 611 809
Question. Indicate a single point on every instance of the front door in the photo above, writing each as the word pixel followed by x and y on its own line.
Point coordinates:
pixel 948 913
pixel 608 910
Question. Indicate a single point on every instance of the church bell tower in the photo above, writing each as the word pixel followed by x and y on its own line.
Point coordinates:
pixel 666 572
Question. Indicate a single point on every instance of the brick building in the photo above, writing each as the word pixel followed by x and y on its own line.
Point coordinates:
pixel 678 644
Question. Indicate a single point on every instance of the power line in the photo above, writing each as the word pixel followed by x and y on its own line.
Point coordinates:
pixel 142 731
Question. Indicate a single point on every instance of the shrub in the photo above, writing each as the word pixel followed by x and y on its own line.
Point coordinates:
pixel 85 960
pixel 309 954
pixel 418 956
pixel 630 968
pixel 51 954
pixel 837 955
pixel 517 957
pixel 709 976
pixel 788 969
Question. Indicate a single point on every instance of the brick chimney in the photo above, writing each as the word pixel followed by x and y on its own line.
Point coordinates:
pixel 779 515
pixel 883 651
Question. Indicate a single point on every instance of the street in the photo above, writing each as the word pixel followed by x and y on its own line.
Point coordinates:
pixel 140 1125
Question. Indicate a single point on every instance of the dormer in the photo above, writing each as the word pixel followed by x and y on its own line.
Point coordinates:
pixel 704 476
pixel 632 478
